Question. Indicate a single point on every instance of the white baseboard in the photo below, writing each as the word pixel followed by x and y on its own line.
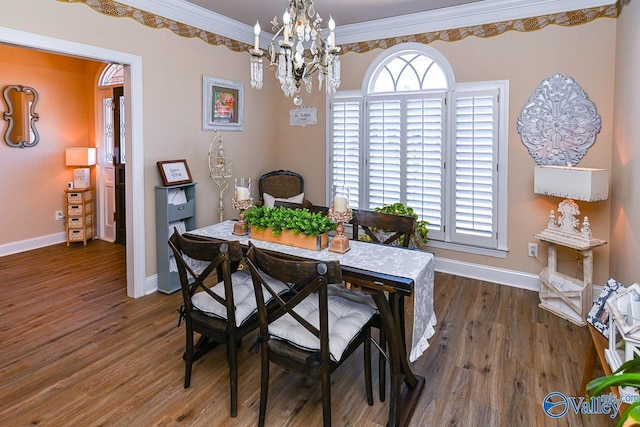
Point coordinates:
pixel 501 276
pixel 151 284
pixel 35 243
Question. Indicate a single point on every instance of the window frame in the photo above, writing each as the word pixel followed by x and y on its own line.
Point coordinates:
pixel 446 237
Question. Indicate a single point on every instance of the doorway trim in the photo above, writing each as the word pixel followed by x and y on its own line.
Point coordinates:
pixel 135 248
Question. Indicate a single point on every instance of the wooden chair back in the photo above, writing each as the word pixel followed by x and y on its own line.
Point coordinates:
pixel 402 226
pixel 305 278
pixel 281 183
pixel 203 264
pixel 212 257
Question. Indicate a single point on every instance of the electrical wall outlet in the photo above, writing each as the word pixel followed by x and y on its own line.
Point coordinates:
pixel 59 215
pixel 532 250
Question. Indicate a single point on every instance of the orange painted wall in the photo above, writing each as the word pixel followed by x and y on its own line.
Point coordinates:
pixel 34 178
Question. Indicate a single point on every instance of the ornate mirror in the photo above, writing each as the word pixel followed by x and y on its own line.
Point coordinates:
pixel 22 117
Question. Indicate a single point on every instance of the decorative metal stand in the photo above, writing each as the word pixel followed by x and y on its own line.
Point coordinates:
pixel 340 243
pixel 240 228
pixel 220 168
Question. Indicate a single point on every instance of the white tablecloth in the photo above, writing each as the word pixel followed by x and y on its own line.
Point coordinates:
pixel 413 264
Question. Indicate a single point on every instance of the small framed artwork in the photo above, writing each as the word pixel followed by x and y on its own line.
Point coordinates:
pixel 174 172
pixel 222 104
pixel 599 315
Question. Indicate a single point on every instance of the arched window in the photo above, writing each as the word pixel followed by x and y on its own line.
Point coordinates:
pixel 113 74
pixel 406 72
pixel 415 136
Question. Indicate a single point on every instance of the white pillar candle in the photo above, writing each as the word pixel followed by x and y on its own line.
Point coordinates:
pixel 242 193
pixel 340 204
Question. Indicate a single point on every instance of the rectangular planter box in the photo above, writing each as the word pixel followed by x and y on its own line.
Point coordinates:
pixel 312 243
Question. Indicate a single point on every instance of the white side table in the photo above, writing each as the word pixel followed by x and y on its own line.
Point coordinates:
pixel 563 295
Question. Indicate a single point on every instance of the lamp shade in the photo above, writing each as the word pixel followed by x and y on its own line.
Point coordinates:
pixel 80 156
pixel 585 184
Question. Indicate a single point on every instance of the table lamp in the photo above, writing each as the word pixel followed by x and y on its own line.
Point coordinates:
pixel 572 183
pixel 81 156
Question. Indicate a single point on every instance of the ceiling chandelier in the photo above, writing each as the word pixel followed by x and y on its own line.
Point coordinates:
pixel 297 51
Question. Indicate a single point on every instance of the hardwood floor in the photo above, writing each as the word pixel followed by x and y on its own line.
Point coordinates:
pixel 75 351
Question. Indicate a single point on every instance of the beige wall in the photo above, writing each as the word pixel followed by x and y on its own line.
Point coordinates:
pixel 173 68
pixel 585 52
pixel 625 194
pixel 33 178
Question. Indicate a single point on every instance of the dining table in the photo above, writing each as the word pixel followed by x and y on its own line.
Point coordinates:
pixel 378 270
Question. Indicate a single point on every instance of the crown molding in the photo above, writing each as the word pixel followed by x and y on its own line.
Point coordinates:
pixel 466 15
pixel 198 17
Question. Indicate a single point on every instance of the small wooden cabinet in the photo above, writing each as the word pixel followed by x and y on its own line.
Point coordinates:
pixel 79 214
pixel 175 208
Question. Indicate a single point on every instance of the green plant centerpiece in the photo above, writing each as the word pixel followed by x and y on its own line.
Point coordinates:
pixel 298 221
pixel 419 238
pixel 293 227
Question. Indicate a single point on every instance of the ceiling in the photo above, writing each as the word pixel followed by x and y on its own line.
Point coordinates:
pixel 344 12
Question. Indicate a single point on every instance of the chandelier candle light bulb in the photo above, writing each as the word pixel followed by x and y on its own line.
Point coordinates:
pixel 256 32
pixel 332 37
pixel 286 20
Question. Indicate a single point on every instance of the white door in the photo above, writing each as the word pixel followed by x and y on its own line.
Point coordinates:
pixel 106 170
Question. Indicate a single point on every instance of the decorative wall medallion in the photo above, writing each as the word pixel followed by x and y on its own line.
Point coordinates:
pixel 559 123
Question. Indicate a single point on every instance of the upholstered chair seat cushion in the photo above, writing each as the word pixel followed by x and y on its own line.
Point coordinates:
pixel 346 320
pixel 243 297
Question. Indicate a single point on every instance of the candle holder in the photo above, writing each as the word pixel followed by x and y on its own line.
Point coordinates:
pixel 242 202
pixel 340 243
pixel 240 228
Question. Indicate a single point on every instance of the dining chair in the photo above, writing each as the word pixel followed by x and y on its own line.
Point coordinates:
pixel 220 307
pixel 297 334
pixel 398 230
pixel 281 184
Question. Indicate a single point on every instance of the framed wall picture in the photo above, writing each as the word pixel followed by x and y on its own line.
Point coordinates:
pixel 222 104
pixel 174 172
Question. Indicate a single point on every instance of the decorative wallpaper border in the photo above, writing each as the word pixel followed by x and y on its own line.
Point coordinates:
pixel 566 19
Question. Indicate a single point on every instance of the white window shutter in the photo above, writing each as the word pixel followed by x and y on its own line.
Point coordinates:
pixel 345 147
pixel 474 172
pixel 384 125
pixel 424 175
